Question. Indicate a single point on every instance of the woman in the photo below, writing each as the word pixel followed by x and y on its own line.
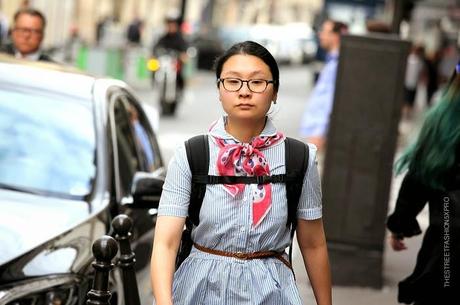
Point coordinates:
pixel 248 81
pixel 433 176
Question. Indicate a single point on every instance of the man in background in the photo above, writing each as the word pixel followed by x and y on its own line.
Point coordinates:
pixel 134 32
pixel 27 35
pixel 173 40
pixel 3 28
pixel 315 120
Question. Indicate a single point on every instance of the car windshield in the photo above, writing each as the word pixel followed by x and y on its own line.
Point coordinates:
pixel 47 143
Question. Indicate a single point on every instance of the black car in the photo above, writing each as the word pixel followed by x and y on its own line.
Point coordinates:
pixel 75 151
pixel 208 47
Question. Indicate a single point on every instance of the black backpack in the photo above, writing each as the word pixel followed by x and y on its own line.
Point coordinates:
pixel 197 148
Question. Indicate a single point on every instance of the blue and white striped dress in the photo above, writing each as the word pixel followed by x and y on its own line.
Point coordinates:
pixel 226 224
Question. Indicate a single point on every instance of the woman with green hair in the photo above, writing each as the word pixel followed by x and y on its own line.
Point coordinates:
pixel 433 176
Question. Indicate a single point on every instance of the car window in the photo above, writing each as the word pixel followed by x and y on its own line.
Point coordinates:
pixel 147 146
pixel 47 143
pixel 128 162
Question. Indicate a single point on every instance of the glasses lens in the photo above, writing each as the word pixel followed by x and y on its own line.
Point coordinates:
pixel 232 84
pixel 257 85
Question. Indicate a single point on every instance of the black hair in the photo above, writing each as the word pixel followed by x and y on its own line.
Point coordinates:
pixel 339 27
pixel 254 49
pixel 175 20
pixel 31 12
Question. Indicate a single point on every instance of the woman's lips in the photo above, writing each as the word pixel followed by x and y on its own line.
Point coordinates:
pixel 244 106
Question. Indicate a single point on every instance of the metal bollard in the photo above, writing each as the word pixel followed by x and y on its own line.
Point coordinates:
pixel 122 226
pixel 104 250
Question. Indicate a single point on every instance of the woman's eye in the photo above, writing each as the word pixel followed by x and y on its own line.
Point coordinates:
pixel 233 81
pixel 257 82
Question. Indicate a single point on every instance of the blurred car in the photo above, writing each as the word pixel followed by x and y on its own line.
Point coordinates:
pixel 75 151
pixel 207 48
pixel 229 35
pixel 292 43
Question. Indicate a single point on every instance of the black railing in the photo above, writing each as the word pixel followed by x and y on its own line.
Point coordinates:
pixel 104 250
pixel 122 226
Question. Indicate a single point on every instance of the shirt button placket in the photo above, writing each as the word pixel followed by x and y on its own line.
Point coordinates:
pixel 244 216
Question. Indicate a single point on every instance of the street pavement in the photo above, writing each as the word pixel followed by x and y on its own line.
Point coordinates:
pixel 201 106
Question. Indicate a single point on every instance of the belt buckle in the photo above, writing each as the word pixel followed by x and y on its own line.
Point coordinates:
pixel 240 255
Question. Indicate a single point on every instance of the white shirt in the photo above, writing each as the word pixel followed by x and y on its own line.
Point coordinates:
pixel 32 56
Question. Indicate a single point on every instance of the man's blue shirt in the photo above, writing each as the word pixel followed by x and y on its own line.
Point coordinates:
pixel 315 120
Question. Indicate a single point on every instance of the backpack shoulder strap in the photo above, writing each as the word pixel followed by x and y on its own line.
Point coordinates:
pixel 297 156
pixel 197 149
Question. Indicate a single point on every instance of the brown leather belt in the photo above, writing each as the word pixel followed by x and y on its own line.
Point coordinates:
pixel 247 256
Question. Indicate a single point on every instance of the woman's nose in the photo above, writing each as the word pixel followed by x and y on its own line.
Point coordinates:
pixel 244 90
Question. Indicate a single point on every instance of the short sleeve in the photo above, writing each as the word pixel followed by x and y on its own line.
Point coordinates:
pixel 175 197
pixel 310 206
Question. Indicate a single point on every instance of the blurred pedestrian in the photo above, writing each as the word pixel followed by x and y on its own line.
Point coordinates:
pixel 3 29
pixel 134 31
pixel 431 75
pixel 72 44
pixel 240 220
pixel 414 69
pixel 315 120
pixel 173 42
pixel 449 57
pixel 27 35
pixel 173 38
pixel 433 176
pixel 101 29
pixel 24 4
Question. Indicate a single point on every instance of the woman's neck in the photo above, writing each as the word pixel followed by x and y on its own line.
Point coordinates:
pixel 244 130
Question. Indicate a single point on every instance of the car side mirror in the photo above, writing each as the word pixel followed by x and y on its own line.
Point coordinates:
pixel 146 189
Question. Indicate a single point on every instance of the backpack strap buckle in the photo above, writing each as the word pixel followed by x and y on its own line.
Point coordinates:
pixel 213 179
pixel 263 179
pixel 278 178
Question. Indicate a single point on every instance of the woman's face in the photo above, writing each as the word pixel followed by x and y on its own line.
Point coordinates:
pixel 245 104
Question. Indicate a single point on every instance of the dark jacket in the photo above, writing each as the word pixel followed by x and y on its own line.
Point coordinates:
pixel 174 42
pixel 436 276
pixel 9 49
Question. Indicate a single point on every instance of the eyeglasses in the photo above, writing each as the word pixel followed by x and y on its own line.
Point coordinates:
pixel 23 31
pixel 254 85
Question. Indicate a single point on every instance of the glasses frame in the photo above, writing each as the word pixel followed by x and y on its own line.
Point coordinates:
pixel 30 31
pixel 247 81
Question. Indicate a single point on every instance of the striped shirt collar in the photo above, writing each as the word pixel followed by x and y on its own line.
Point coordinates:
pixel 217 129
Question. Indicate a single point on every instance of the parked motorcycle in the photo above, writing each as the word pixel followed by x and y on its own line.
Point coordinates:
pixel 167 78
